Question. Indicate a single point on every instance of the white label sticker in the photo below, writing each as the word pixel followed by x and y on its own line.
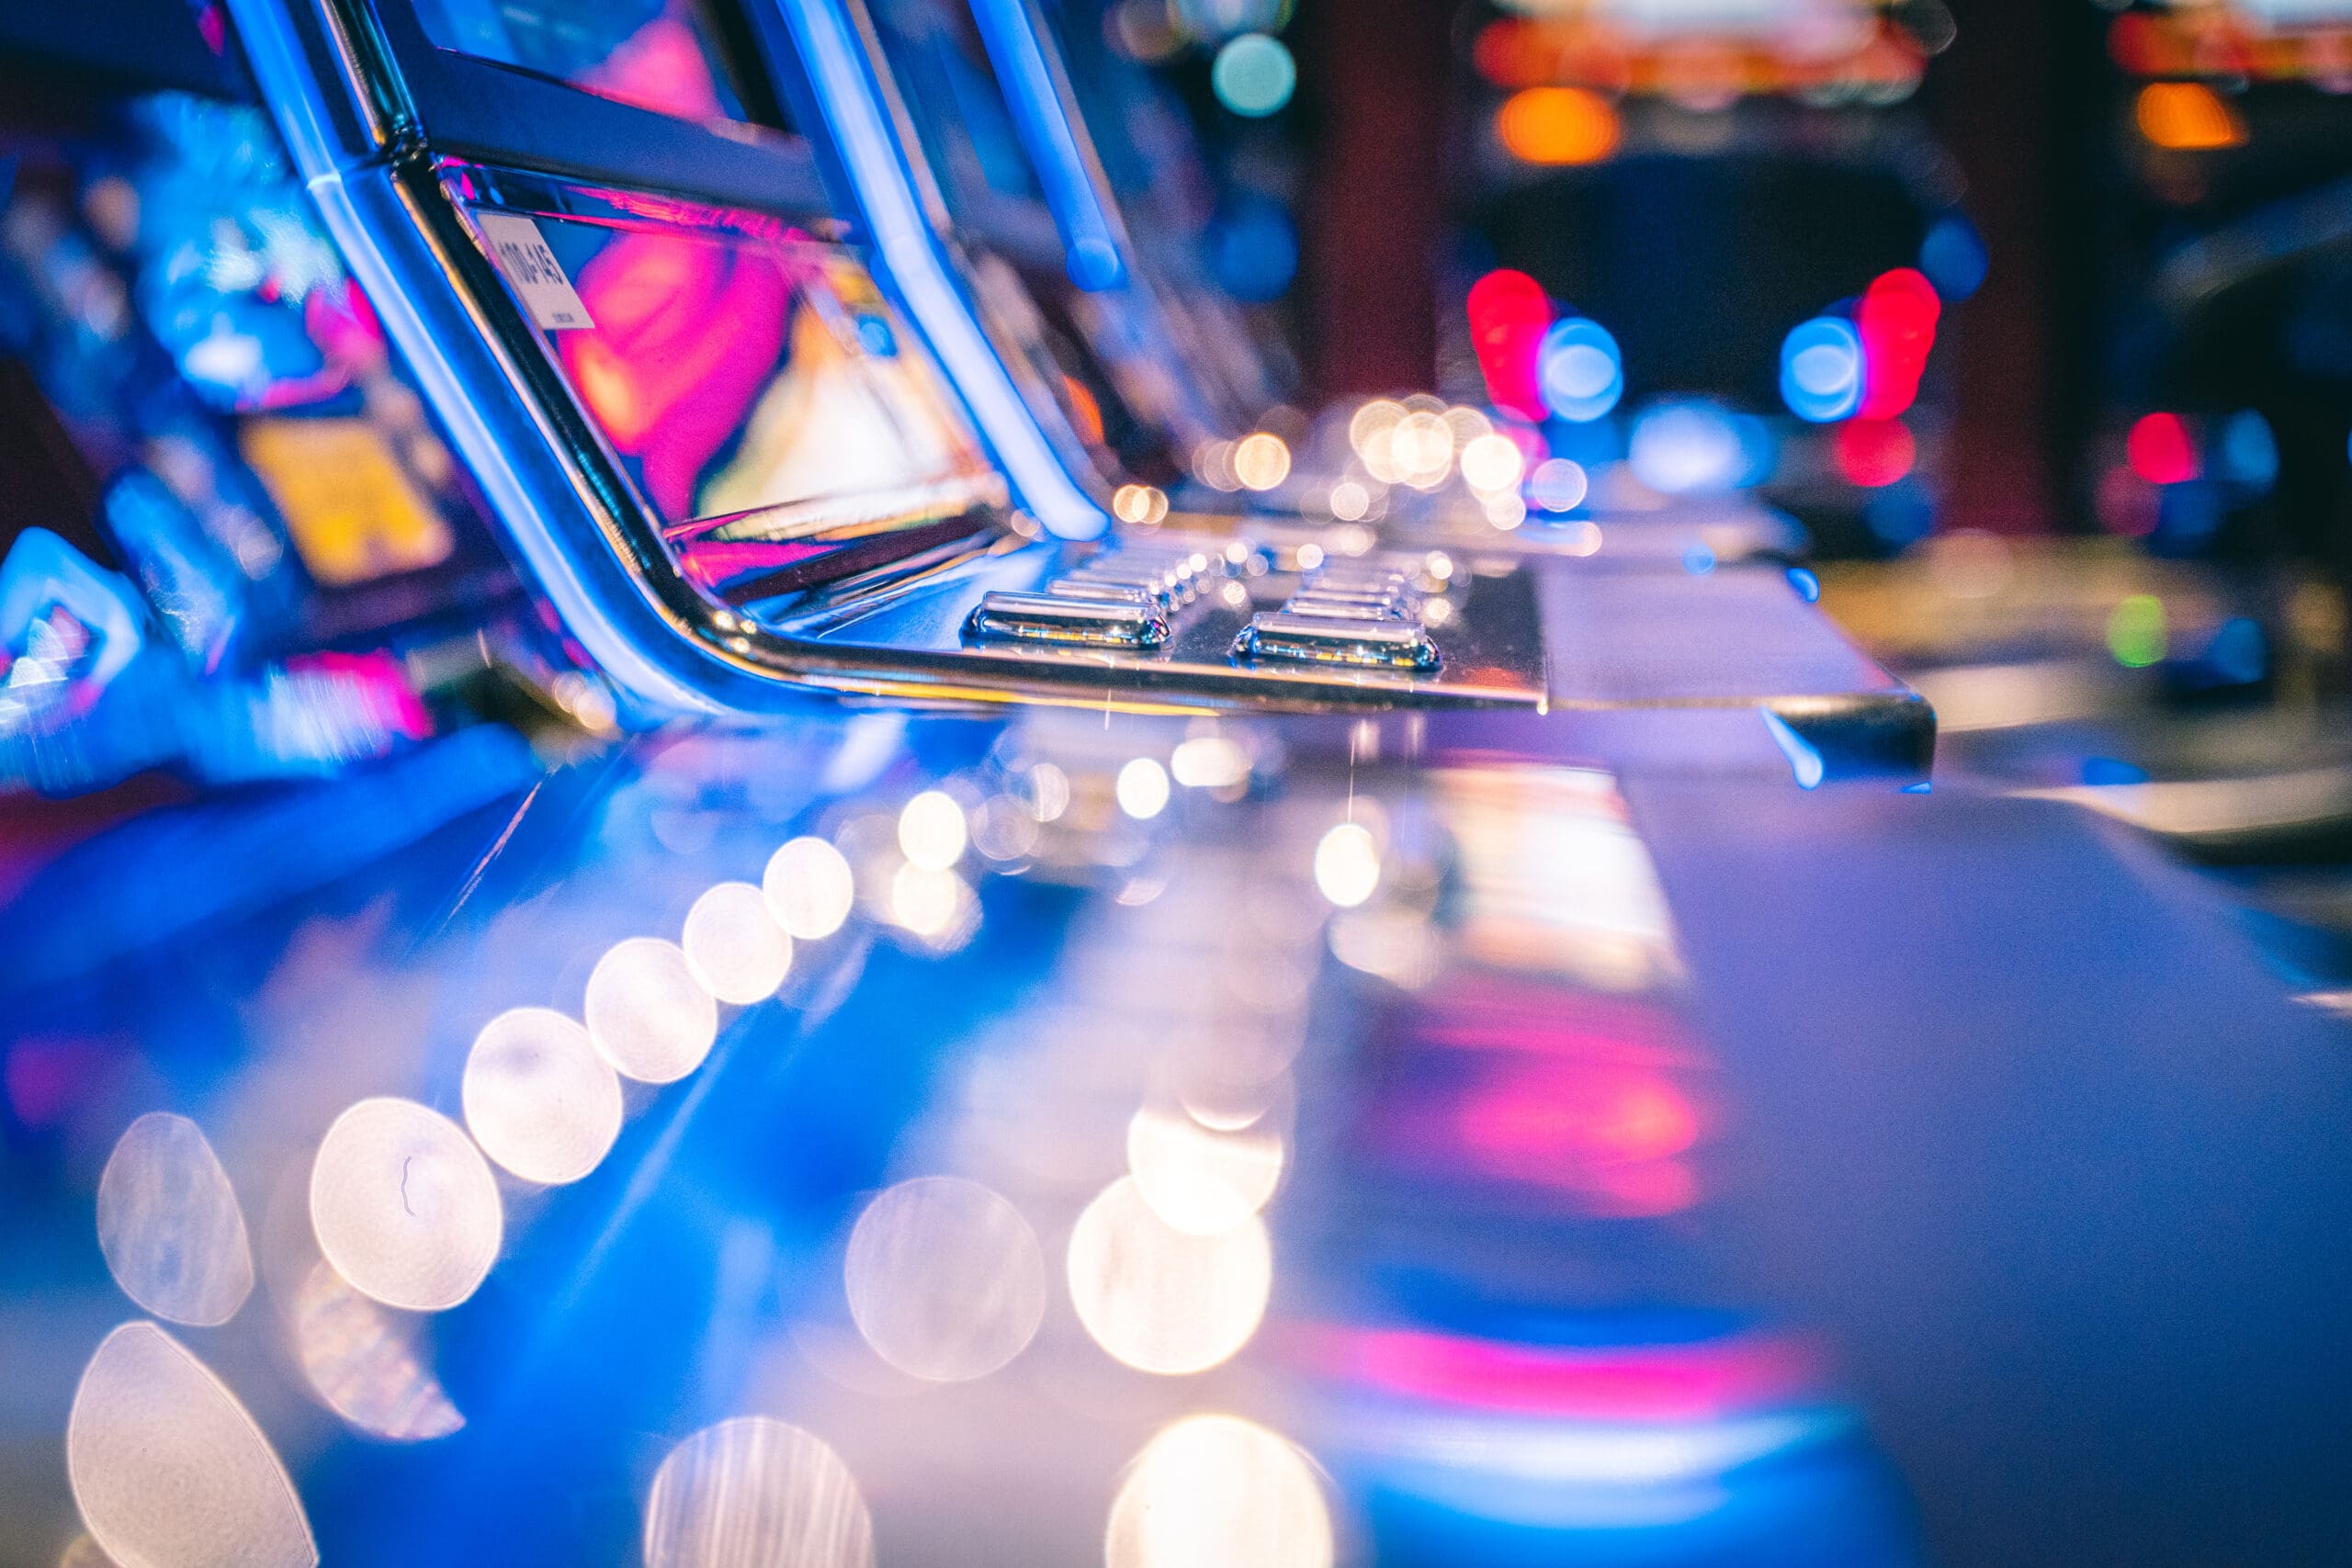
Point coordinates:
pixel 522 254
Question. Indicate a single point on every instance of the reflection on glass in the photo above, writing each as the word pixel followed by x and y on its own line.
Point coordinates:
pixel 1160 1300
pixel 538 1096
pixel 755 1493
pixel 657 54
pixel 404 1206
pixel 1219 1492
pixel 169 1224
pixel 367 1363
pixel 647 1013
pixel 1560 881
pixel 1685 1442
pixel 168 1468
pixel 945 1280
pixel 734 946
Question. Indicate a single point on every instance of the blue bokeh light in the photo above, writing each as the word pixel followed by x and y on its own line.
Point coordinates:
pixel 1253 249
pixel 1580 369
pixel 1821 369
pixel 1954 258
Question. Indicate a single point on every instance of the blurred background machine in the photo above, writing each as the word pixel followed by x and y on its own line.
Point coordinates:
pixel 747 899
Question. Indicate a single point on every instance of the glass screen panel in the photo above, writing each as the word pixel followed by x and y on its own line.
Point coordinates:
pixel 666 55
pixel 767 401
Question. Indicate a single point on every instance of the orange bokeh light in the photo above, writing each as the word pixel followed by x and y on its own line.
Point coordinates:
pixel 1558 125
pixel 2188 117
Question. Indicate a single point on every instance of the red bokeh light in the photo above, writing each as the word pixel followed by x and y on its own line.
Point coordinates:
pixel 1508 314
pixel 2161 450
pixel 1874 453
pixel 1896 322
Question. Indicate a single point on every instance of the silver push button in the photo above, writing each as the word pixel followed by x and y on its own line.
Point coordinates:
pixel 1074 623
pixel 1321 639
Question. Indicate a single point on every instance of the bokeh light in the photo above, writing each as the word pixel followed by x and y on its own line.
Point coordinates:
pixel 1209 761
pixel 946 1279
pixel 168 1468
pixel 931 832
pixel 1874 453
pixel 1146 507
pixel 1219 1491
pixel 538 1098
pixel 934 904
pixel 2161 450
pixel 755 1493
pixel 1509 313
pixel 169 1223
pixel 1199 1179
pixel 1821 369
pixel 1580 369
pixel 647 1013
pixel 1159 1299
pixel 1262 461
pixel 2137 632
pixel 808 888
pixel 1558 484
pixel 404 1206
pixel 1142 789
pixel 1347 864
pixel 1254 75
pixel 734 946
pixel 2188 117
pixel 1492 462
pixel 1896 322
pixel 366 1363
pixel 1557 126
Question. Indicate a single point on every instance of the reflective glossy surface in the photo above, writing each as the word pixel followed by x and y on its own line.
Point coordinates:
pixel 1364 1148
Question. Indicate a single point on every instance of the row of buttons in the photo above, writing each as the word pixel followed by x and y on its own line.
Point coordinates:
pixel 1359 613
pixel 1120 598
pixel 1355 613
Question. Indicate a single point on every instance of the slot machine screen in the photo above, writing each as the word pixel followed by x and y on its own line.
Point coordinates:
pixel 750 377
pixel 673 56
pixel 256 455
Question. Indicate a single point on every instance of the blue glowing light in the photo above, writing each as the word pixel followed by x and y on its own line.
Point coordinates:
pixel 1821 370
pixel 1901 513
pixel 2107 771
pixel 1693 447
pixel 1954 258
pixel 1093 243
pixel 2239 653
pixel 1580 370
pixel 1807 586
pixel 2249 451
pixel 1253 249
pixel 1804 757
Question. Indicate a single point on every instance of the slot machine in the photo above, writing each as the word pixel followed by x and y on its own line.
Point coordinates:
pixel 1062 1047
pixel 238 543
